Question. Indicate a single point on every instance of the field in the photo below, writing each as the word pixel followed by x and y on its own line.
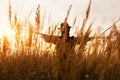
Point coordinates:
pixel 26 56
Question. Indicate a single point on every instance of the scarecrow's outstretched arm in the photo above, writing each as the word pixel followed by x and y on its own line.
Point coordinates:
pixel 84 39
pixel 50 38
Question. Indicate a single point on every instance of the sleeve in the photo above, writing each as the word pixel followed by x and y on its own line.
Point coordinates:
pixel 50 38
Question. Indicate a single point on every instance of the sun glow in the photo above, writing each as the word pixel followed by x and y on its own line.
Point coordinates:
pixel 6 31
pixel 7 35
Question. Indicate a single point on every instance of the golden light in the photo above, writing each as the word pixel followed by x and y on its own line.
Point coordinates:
pixel 6 31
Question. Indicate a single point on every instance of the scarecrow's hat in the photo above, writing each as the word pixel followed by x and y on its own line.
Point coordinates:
pixel 62 24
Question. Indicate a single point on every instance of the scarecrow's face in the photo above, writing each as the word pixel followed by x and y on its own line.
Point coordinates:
pixel 64 28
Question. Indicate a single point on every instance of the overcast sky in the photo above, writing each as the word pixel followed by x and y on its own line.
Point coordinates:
pixel 102 11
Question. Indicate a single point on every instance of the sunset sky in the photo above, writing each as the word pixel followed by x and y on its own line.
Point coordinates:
pixel 102 11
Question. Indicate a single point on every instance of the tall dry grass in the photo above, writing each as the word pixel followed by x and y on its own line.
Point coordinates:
pixel 96 58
